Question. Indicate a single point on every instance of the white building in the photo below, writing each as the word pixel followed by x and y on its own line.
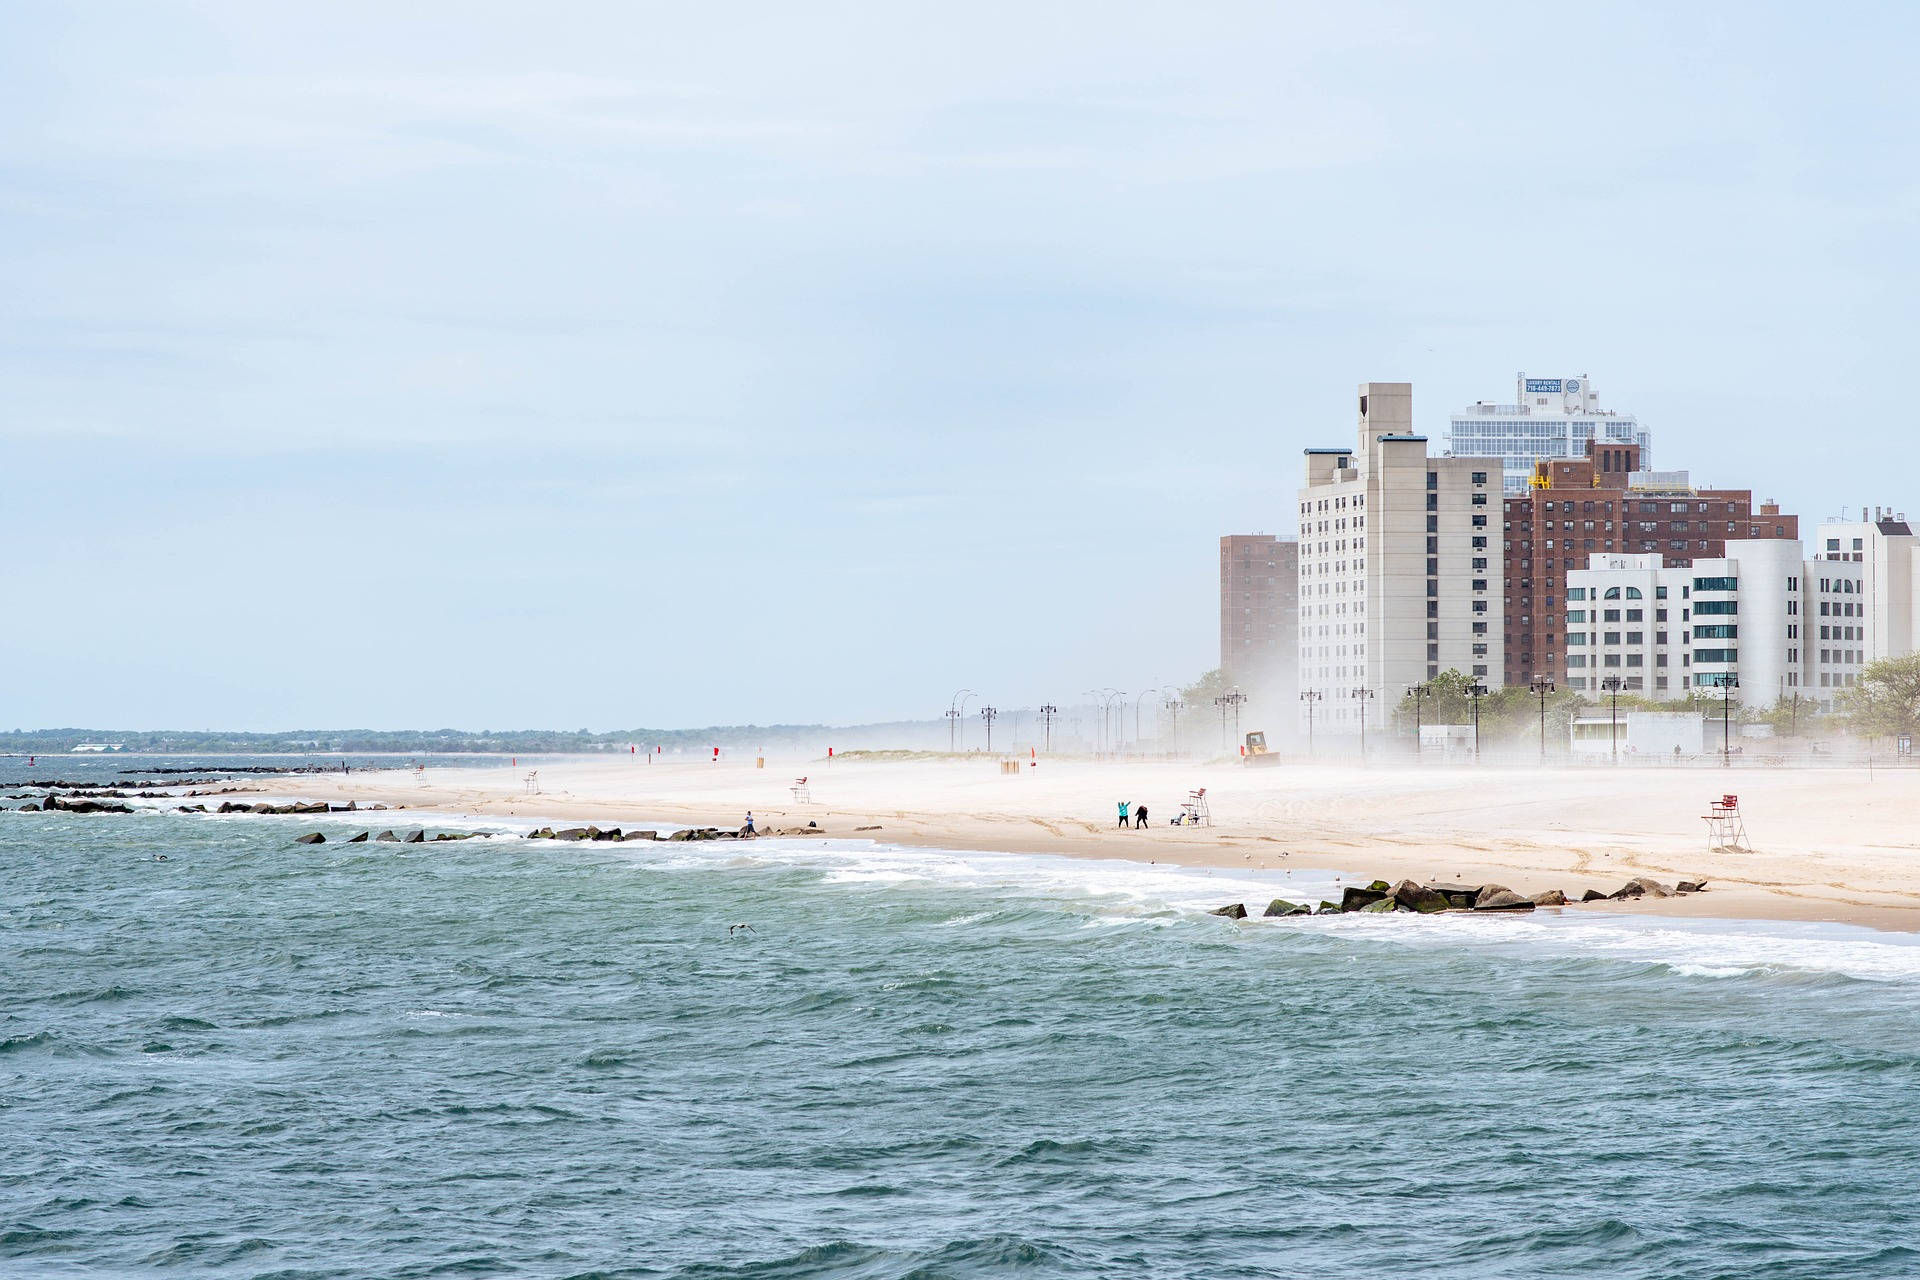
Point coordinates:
pixel 1398 575
pixel 1759 618
pixel 1888 618
pixel 1550 418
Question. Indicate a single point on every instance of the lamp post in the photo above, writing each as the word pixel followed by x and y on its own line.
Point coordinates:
pixel 953 717
pixel 1172 706
pixel 1231 698
pixel 1310 697
pixel 1612 685
pixel 1728 682
pixel 1362 695
pixel 987 714
pixel 1417 692
pixel 1047 713
pixel 1542 686
pixel 1475 692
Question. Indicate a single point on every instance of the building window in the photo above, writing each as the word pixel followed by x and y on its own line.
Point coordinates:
pixel 1716 584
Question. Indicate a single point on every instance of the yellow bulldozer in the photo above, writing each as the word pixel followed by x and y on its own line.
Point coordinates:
pixel 1255 752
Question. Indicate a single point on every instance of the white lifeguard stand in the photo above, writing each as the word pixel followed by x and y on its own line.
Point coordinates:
pixel 802 793
pixel 533 782
pixel 1726 829
pixel 1195 812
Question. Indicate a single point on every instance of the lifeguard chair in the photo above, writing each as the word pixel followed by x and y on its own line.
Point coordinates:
pixel 802 793
pixel 1195 812
pixel 1726 829
pixel 533 782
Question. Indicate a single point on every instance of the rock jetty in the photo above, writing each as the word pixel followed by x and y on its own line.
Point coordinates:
pixel 1409 897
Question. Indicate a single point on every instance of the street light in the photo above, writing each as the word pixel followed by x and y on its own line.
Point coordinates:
pixel 1363 695
pixel 1475 692
pixel 953 716
pixel 1612 685
pixel 1417 692
pixel 1047 713
pixel 961 719
pixel 987 714
pixel 1231 698
pixel 1728 682
pixel 1172 705
pixel 1542 686
pixel 1310 697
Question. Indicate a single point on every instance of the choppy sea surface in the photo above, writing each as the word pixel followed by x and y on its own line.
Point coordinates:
pixel 518 1058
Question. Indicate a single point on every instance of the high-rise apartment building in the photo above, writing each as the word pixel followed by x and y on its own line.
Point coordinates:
pixel 1889 552
pixel 1550 418
pixel 1606 502
pixel 1260 617
pixel 1399 579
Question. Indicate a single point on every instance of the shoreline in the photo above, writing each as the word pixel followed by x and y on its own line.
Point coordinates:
pixel 1529 829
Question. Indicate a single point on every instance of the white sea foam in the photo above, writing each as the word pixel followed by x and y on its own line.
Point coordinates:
pixel 1116 892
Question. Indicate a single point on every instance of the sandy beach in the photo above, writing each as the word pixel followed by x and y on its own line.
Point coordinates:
pixel 1828 844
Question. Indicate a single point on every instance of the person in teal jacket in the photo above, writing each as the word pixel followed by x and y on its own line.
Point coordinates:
pixel 1123 814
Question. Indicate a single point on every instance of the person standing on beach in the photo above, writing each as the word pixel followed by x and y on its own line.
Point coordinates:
pixel 1140 817
pixel 1123 815
pixel 749 827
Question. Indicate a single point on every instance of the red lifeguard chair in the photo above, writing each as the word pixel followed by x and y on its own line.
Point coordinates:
pixel 802 793
pixel 1726 829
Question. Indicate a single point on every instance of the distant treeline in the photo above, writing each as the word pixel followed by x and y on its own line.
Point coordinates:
pixel 905 734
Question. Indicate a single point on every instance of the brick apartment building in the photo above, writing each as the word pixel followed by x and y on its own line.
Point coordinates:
pixel 1260 614
pixel 1605 502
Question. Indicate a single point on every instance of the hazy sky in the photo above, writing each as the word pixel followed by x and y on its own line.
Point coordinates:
pixel 617 364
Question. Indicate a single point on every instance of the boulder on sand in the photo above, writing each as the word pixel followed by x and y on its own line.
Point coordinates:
pixel 1653 888
pixel 1551 898
pixel 607 835
pixel 312 837
pixel 1593 895
pixel 1458 896
pixel 1281 907
pixel 1691 886
pixel 1232 911
pixel 1504 900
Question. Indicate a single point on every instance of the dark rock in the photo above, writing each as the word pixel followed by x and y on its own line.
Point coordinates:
pixel 417 836
pixel 1281 907
pixel 1381 907
pixel 1487 891
pixel 571 833
pixel 56 804
pixel 593 833
pixel 376 806
pixel 1419 898
pixel 359 839
pixel 387 837
pixel 1354 898
pixel 318 806
pixel 29 807
pixel 1593 895
pixel 1504 900
pixel 872 828
pixel 1551 898
pixel 1328 908
pixel 607 835
pixel 312 837
pixel 685 833
pixel 1652 888
pixel 1691 886
pixel 1380 886
pixel 1232 911
pixel 454 835
pixel 641 835
pixel 544 833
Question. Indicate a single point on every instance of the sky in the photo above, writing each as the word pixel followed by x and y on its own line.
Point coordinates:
pixel 618 364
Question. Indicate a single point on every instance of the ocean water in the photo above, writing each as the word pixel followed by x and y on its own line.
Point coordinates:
pixel 518 1058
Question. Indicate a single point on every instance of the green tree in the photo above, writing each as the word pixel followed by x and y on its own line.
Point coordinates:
pixel 1202 692
pixel 1886 702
